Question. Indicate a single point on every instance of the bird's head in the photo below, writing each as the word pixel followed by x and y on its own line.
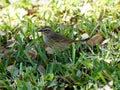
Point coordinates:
pixel 46 30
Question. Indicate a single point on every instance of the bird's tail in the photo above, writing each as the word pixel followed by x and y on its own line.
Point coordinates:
pixel 83 41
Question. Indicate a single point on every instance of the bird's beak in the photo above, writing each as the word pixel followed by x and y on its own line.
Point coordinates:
pixel 41 30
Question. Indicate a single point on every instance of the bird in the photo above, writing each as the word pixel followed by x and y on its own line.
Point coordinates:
pixel 56 40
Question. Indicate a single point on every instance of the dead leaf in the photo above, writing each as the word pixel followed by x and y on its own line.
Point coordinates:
pixel 6 54
pixel 84 36
pixel 21 12
pixel 86 8
pixel 2 33
pixel 11 42
pixel 32 53
pixel 107 87
pixel 31 11
pixel 114 35
pixel 49 50
pixel 20 76
pixel 41 70
pixel 96 39
pixel 38 34
pixel 2 88
pixel 13 86
pixel 11 45
pixel 10 68
pixel 2 49
pixel 105 41
pixel 13 70
pixel 16 30
pixel 108 60
pixel 116 29
pixel 74 19
pixel 101 14
pixel 1 7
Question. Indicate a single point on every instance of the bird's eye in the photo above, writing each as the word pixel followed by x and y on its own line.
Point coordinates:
pixel 46 31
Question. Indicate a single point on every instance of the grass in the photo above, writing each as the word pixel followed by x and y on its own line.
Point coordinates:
pixel 25 65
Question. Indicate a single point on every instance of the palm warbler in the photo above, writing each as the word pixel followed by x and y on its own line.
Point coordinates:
pixel 53 39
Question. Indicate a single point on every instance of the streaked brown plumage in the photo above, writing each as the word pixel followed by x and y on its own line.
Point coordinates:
pixel 56 40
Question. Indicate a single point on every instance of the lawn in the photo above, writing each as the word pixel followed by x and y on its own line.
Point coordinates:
pixel 26 63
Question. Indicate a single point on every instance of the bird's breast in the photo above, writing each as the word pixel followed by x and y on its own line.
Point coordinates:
pixel 47 40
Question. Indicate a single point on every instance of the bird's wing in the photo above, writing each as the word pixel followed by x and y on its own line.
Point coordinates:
pixel 60 38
